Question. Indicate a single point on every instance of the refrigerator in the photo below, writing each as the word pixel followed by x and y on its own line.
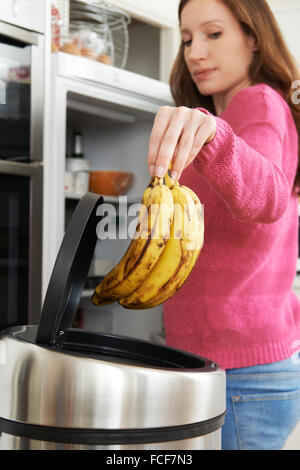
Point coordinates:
pixel 114 110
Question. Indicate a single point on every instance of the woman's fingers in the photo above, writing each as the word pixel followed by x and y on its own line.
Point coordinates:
pixel 189 143
pixel 175 137
pixel 164 138
pixel 178 135
pixel 161 123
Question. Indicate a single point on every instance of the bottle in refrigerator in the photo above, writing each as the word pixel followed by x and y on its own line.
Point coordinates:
pixel 77 177
pixel 77 151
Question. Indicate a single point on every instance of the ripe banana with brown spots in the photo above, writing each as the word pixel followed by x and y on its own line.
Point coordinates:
pixel 151 236
pixel 179 255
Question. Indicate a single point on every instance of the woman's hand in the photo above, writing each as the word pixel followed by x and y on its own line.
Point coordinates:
pixel 177 136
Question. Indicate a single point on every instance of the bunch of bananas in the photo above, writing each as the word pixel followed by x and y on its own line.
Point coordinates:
pixel 166 245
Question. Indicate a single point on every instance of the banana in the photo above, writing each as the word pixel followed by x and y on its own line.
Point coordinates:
pixel 179 256
pixel 152 233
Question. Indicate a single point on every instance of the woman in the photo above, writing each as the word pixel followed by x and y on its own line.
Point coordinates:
pixel 233 139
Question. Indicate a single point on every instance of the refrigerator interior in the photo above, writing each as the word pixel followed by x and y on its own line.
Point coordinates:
pixel 143 59
pixel 114 137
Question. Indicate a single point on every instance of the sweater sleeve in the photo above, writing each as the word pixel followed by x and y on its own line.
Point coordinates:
pixel 246 170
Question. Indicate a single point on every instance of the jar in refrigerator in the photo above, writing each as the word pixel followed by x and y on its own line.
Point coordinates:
pixel 69 46
pixel 86 41
pixel 82 182
pixel 79 168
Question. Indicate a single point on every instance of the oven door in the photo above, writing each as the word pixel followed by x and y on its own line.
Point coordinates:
pixel 21 94
pixel 20 243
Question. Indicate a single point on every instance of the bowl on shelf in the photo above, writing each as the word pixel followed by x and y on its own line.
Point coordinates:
pixel 110 183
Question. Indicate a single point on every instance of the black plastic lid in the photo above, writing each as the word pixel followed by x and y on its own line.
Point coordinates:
pixel 118 349
pixel 70 271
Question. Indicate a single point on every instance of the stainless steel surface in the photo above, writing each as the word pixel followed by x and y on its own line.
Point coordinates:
pixel 36 10
pixel 35 252
pixel 20 169
pixel 210 441
pixel 37 100
pixel 37 84
pixel 35 172
pixel 54 388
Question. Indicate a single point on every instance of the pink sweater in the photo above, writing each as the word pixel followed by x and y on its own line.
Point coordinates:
pixel 237 307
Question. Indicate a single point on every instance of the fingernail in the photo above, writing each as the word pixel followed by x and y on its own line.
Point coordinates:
pixel 152 170
pixel 174 175
pixel 160 171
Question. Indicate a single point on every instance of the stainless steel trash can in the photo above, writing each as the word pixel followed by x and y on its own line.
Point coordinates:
pixel 64 388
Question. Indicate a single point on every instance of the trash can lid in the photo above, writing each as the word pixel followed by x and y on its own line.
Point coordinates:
pixel 118 349
pixel 70 270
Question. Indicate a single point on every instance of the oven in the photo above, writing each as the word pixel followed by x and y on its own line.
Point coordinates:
pixel 21 166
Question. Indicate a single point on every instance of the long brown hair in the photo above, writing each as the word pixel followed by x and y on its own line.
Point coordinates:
pixel 272 64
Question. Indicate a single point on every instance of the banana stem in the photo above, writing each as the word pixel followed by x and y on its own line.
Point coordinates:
pixel 155 180
pixel 169 181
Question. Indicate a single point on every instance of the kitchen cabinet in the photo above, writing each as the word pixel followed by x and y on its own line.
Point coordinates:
pixel 156 11
pixel 28 14
pixel 159 16
pixel 152 23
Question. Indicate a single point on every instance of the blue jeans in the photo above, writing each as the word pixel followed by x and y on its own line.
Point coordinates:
pixel 263 405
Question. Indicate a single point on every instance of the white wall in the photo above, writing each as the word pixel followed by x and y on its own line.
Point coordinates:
pixel 287 13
